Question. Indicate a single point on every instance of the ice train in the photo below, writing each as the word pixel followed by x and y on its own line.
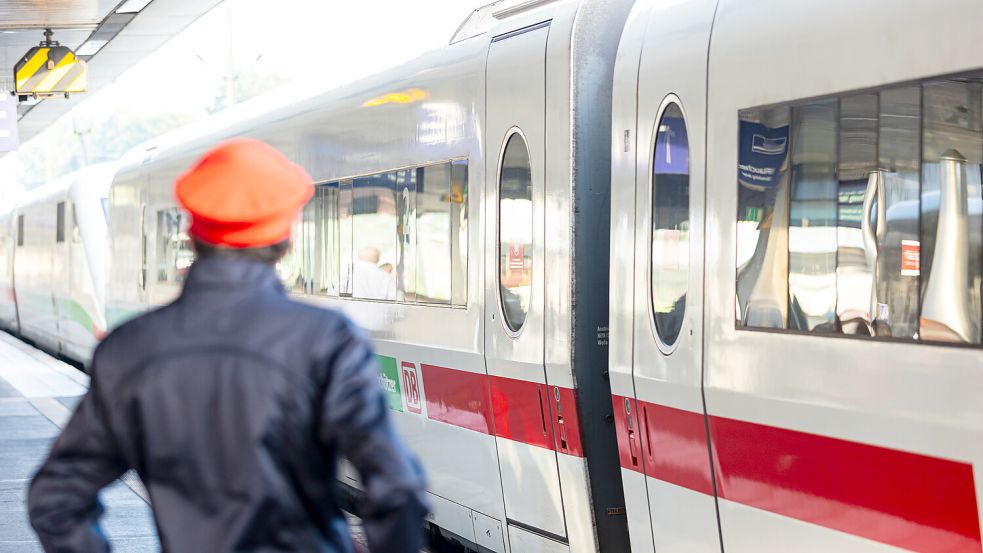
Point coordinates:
pixel 664 275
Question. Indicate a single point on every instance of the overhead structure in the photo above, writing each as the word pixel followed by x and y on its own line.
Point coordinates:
pixel 108 36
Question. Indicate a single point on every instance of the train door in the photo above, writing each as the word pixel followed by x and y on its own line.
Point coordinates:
pixel 514 335
pixel 663 426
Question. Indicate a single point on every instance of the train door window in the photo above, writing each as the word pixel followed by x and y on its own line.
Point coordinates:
pixel 861 214
pixel 433 234
pixel 515 223
pixel 374 236
pixel 20 230
pixel 670 223
pixel 174 252
pixel 60 222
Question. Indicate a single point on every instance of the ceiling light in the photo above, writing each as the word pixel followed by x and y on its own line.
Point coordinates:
pixel 90 47
pixel 133 6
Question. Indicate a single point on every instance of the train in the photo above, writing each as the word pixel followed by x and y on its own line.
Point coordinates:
pixel 53 262
pixel 653 275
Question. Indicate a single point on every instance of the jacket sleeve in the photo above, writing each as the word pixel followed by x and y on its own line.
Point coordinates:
pixel 355 419
pixel 63 500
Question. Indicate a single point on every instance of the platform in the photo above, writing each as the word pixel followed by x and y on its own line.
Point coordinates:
pixel 37 395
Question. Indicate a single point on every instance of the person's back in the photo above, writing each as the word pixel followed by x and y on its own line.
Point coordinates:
pixel 233 404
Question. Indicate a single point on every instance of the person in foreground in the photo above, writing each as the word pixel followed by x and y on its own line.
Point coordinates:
pixel 234 403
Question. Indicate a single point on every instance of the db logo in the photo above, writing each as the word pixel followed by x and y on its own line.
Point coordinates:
pixel 411 388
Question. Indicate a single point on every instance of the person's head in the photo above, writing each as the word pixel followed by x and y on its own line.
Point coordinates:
pixel 369 255
pixel 243 197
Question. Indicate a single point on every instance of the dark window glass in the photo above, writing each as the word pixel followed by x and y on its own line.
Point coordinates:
pixel 670 224
pixel 20 230
pixel 515 222
pixel 897 173
pixel 60 222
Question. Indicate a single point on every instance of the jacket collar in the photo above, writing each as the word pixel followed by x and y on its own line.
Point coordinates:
pixel 231 275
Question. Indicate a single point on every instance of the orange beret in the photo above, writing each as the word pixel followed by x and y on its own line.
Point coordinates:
pixel 243 194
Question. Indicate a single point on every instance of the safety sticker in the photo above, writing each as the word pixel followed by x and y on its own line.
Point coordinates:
pixel 910 258
pixel 389 378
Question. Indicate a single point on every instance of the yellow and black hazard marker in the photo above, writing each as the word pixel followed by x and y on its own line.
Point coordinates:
pixel 49 70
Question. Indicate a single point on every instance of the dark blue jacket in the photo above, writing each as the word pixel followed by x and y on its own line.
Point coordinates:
pixel 233 404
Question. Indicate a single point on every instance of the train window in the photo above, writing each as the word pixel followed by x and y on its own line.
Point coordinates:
pixel 345 263
pixel 174 252
pixel 20 230
pixel 406 262
pixel 515 236
pixel 326 246
pixel 861 214
pixel 433 234
pixel 670 223
pixel 374 237
pixel 458 204
pixel 60 222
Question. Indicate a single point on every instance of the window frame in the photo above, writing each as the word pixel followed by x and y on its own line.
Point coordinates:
pixel 513 131
pixel 668 100
pixel 839 95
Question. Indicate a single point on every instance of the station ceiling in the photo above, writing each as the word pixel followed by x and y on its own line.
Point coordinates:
pixel 111 35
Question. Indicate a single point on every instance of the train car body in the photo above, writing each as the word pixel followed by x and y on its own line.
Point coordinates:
pixel 8 303
pixel 58 233
pixel 795 275
pixel 448 222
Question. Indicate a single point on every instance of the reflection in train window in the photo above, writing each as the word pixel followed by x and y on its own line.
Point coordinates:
pixel 670 224
pixel 174 253
pixel 374 237
pixel 394 236
pixel 312 265
pixel 515 232
pixel 861 214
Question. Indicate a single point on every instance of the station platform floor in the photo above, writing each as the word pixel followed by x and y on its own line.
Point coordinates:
pixel 37 396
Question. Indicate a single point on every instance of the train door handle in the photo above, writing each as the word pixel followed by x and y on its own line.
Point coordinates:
pixel 562 430
pixel 633 447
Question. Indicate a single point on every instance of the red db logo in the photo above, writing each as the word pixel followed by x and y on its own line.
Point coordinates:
pixel 411 388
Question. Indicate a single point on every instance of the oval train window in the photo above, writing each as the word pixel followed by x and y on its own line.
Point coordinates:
pixel 515 232
pixel 670 224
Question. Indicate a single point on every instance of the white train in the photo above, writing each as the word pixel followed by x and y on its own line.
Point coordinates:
pixel 53 263
pixel 673 275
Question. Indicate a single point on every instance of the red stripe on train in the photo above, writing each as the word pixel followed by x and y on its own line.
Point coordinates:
pixel 516 410
pixel 895 497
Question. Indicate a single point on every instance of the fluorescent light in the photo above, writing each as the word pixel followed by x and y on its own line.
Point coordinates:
pixel 133 6
pixel 90 47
